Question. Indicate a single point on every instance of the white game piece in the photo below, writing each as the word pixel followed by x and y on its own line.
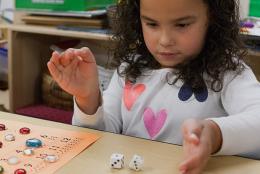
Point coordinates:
pixel 9 137
pixel 51 158
pixel 28 152
pixel 117 161
pixel 13 160
pixel 136 163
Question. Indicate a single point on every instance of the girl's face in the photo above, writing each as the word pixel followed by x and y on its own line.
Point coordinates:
pixel 174 30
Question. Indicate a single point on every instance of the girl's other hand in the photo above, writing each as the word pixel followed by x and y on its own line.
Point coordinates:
pixel 199 142
pixel 75 70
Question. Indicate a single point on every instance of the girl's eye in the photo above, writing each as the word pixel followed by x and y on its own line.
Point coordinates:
pixel 182 25
pixel 152 24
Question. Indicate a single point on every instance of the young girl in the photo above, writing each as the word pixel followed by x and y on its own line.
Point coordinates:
pixel 180 79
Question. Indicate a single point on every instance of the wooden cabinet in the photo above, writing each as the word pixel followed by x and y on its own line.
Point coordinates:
pixel 29 52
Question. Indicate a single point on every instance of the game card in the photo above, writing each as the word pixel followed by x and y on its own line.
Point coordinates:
pixel 57 147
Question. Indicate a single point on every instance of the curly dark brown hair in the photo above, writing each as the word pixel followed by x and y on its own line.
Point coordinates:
pixel 222 44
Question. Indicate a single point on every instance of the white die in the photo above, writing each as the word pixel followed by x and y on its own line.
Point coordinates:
pixel 117 161
pixel 136 163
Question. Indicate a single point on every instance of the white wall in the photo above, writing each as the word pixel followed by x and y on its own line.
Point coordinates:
pixel 244 8
pixel 7 4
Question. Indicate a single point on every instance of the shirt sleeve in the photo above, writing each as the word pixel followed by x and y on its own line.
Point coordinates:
pixel 240 129
pixel 108 116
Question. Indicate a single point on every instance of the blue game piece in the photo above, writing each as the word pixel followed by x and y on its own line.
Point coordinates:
pixel 33 142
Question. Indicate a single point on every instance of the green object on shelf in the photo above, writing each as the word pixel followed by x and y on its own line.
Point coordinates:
pixel 63 5
pixel 254 8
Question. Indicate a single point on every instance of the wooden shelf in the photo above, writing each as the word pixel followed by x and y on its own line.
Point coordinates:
pixel 56 32
pixel 3 24
pixel 29 52
pixel 254 53
pixel 2 41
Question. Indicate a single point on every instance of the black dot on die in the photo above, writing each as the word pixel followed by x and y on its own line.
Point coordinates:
pixel 115 163
pixel 117 160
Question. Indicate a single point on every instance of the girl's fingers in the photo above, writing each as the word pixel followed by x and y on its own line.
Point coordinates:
pixel 64 59
pixel 55 73
pixel 73 65
pixel 67 57
pixel 193 138
pixel 85 54
pixel 191 130
pixel 54 66
pixel 55 57
pixel 188 164
pixel 191 164
pixel 195 147
pixel 191 169
pixel 183 168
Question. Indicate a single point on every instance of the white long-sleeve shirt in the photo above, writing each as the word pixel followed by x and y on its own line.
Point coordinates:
pixel 153 109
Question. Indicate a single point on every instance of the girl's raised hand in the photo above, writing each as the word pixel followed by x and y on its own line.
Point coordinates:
pixel 75 70
pixel 198 145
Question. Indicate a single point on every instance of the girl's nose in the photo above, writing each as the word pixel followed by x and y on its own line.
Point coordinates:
pixel 166 39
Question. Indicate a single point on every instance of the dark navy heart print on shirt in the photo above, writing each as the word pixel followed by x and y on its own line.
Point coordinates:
pixel 186 92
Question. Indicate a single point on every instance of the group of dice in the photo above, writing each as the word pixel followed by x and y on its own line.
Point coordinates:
pixel 117 162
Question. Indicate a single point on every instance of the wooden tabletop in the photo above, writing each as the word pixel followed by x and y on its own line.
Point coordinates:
pixel 159 158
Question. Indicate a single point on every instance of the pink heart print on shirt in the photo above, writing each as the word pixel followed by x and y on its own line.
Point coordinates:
pixel 131 93
pixel 154 122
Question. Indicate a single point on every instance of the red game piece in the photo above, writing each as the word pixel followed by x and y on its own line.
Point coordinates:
pixel 1 144
pixel 24 130
pixel 2 127
pixel 20 171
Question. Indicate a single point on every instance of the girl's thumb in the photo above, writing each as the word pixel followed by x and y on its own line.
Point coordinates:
pixel 85 54
pixel 191 130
